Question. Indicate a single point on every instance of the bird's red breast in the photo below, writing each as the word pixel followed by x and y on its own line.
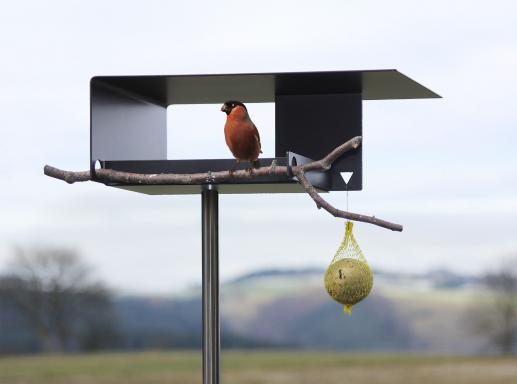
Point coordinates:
pixel 241 135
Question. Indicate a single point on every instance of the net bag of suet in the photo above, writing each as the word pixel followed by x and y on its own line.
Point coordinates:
pixel 348 278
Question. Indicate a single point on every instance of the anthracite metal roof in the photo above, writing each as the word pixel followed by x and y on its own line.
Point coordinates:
pixel 262 87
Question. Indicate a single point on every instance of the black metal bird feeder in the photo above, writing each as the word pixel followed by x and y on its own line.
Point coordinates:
pixel 313 112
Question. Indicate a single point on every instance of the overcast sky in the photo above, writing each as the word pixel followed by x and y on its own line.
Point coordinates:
pixel 445 168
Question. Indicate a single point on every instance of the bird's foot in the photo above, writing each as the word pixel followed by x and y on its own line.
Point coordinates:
pixel 232 170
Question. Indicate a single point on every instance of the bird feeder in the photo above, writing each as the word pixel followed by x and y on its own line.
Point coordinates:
pixel 314 111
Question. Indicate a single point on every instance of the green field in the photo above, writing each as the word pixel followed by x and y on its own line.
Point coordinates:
pixel 255 368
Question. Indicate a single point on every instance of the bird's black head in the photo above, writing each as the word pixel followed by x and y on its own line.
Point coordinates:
pixel 230 104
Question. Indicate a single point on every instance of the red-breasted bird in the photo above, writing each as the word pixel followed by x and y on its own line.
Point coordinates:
pixel 241 134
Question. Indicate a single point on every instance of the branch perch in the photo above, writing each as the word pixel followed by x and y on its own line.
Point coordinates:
pixel 324 164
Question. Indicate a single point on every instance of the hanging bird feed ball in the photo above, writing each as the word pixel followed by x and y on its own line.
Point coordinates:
pixel 348 279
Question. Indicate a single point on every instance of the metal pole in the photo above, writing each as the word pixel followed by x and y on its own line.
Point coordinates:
pixel 211 332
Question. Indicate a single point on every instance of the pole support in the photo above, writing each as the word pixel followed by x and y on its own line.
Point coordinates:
pixel 210 262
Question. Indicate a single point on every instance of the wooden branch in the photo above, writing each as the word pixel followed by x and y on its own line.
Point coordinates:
pixel 325 163
pixel 113 176
pixel 322 203
pixel 69 176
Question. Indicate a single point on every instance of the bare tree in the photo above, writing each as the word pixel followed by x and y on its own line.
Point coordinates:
pixel 54 292
pixel 495 314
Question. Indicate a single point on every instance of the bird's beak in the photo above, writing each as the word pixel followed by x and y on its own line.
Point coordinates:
pixel 224 108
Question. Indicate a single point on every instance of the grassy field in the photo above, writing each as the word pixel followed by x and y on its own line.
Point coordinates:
pixel 256 368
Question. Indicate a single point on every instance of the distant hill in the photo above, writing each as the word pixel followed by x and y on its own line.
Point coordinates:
pixel 170 323
pixel 290 308
pixel 409 312
pixel 437 278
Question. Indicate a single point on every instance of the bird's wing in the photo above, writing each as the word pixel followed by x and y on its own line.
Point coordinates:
pixel 256 135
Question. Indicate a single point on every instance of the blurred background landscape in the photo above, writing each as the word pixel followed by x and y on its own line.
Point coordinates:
pixel 277 325
pixel 99 285
pixel 433 312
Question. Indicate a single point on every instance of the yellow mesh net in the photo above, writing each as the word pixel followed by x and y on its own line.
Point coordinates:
pixel 348 279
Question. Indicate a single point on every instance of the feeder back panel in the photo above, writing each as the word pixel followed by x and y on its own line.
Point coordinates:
pixel 303 120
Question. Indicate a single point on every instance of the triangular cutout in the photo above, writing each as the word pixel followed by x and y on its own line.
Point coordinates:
pixel 346 176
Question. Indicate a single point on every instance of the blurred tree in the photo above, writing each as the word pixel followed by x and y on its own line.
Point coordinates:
pixel 53 292
pixel 494 315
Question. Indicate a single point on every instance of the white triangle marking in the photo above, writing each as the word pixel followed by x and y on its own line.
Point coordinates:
pixel 346 176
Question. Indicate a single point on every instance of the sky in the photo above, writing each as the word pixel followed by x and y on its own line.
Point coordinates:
pixel 444 168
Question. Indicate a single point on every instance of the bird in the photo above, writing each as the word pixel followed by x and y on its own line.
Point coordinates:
pixel 241 134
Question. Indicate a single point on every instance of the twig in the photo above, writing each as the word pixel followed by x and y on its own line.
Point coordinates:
pixel 322 203
pixel 113 176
